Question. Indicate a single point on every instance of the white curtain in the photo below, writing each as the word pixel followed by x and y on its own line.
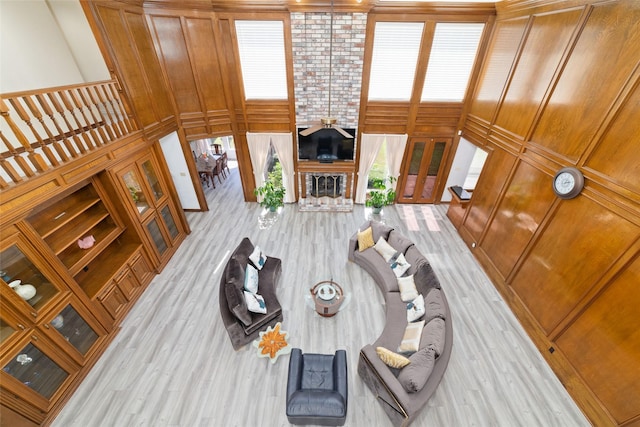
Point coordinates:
pixel 395 152
pixel 283 143
pixel 369 147
pixel 258 149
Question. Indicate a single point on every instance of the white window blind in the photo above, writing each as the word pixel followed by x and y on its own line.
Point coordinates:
pixel 453 52
pixel 262 59
pixel 393 65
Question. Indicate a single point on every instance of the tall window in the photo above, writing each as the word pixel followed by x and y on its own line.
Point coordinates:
pixel 393 64
pixel 262 59
pixel 453 53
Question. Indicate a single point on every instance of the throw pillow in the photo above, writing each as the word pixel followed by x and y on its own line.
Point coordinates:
pixel 411 338
pixel 415 376
pixel 251 279
pixel 407 286
pixel 257 258
pixel 384 249
pixel 391 359
pixel 236 303
pixel 255 303
pixel 415 309
pixel 434 307
pixel 365 239
pixel 400 266
pixel 433 336
pixel 425 277
pixel 399 242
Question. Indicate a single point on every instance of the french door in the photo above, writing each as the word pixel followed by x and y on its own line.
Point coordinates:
pixel 422 173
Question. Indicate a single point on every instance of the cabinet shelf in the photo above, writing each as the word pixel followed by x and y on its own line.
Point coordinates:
pixel 76 259
pixel 61 213
pixel 79 227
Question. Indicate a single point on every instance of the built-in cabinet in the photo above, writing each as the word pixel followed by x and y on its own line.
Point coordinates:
pixel 70 270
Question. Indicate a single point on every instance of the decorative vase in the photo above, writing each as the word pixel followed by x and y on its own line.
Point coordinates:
pixel 25 291
pixel 376 210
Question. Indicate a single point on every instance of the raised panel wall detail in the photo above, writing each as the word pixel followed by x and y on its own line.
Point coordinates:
pixel 603 59
pixel 582 241
pixel 604 345
pixel 518 217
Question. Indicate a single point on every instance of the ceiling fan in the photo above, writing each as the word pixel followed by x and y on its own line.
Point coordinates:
pixel 328 122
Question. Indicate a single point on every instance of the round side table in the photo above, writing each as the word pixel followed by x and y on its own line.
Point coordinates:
pixel 328 297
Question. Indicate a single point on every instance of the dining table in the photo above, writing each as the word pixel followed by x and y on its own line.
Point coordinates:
pixel 208 166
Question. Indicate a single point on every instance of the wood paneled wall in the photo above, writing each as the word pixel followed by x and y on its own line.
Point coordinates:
pixel 560 86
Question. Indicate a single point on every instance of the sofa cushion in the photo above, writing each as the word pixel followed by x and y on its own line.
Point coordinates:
pixel 235 272
pixel 365 239
pixel 243 251
pixel 380 230
pixel 384 249
pixel 257 258
pixel 414 376
pixel 391 358
pixel 400 266
pixel 255 303
pixel 411 338
pixel 415 309
pixel 236 303
pixel 425 277
pixel 434 306
pixel 407 286
pixel 251 279
pixel 414 257
pixel 433 336
pixel 399 242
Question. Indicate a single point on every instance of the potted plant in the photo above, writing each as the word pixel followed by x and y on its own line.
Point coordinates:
pixel 272 195
pixel 381 196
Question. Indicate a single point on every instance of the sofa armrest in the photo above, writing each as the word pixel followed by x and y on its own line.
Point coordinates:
pixel 294 381
pixel 353 247
pixel 340 373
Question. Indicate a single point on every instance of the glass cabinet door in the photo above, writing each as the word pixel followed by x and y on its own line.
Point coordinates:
pixel 135 191
pixel 157 236
pixel 152 179
pixel 22 277
pixel 167 218
pixel 74 329
pixel 36 370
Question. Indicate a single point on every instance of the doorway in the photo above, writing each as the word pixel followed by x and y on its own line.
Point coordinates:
pixel 422 173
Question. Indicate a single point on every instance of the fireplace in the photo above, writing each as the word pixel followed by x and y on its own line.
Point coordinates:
pixel 326 185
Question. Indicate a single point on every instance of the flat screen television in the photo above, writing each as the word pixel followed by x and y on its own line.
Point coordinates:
pixel 326 145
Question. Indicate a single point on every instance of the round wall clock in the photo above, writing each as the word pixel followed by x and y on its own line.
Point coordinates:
pixel 568 183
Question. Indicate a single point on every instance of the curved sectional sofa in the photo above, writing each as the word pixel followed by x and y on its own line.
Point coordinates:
pixel 403 391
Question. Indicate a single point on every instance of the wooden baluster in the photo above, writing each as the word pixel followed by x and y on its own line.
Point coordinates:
pixel 89 127
pixel 78 128
pixel 5 164
pixel 35 158
pixel 105 120
pixel 56 105
pixel 113 117
pixel 52 140
pixel 104 89
pixel 15 103
pixel 49 112
pixel 115 95
pixel 94 120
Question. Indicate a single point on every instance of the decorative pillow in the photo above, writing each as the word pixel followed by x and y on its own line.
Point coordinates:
pixel 400 266
pixel 236 303
pixel 399 242
pixel 433 336
pixel 391 359
pixel 384 249
pixel 415 309
pixel 365 239
pixel 407 286
pixel 255 303
pixel 257 258
pixel 411 338
pixel 251 279
pixel 415 376
pixel 433 305
pixel 425 277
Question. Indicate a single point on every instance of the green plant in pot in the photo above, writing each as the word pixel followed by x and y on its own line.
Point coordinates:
pixel 380 195
pixel 272 195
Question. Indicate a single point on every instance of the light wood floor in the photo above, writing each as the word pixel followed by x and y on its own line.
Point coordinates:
pixel 173 365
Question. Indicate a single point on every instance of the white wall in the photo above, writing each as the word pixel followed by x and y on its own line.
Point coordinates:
pixel 34 49
pixel 460 167
pixel 174 157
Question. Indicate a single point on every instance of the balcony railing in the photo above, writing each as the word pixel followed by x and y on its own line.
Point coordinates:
pixel 46 128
